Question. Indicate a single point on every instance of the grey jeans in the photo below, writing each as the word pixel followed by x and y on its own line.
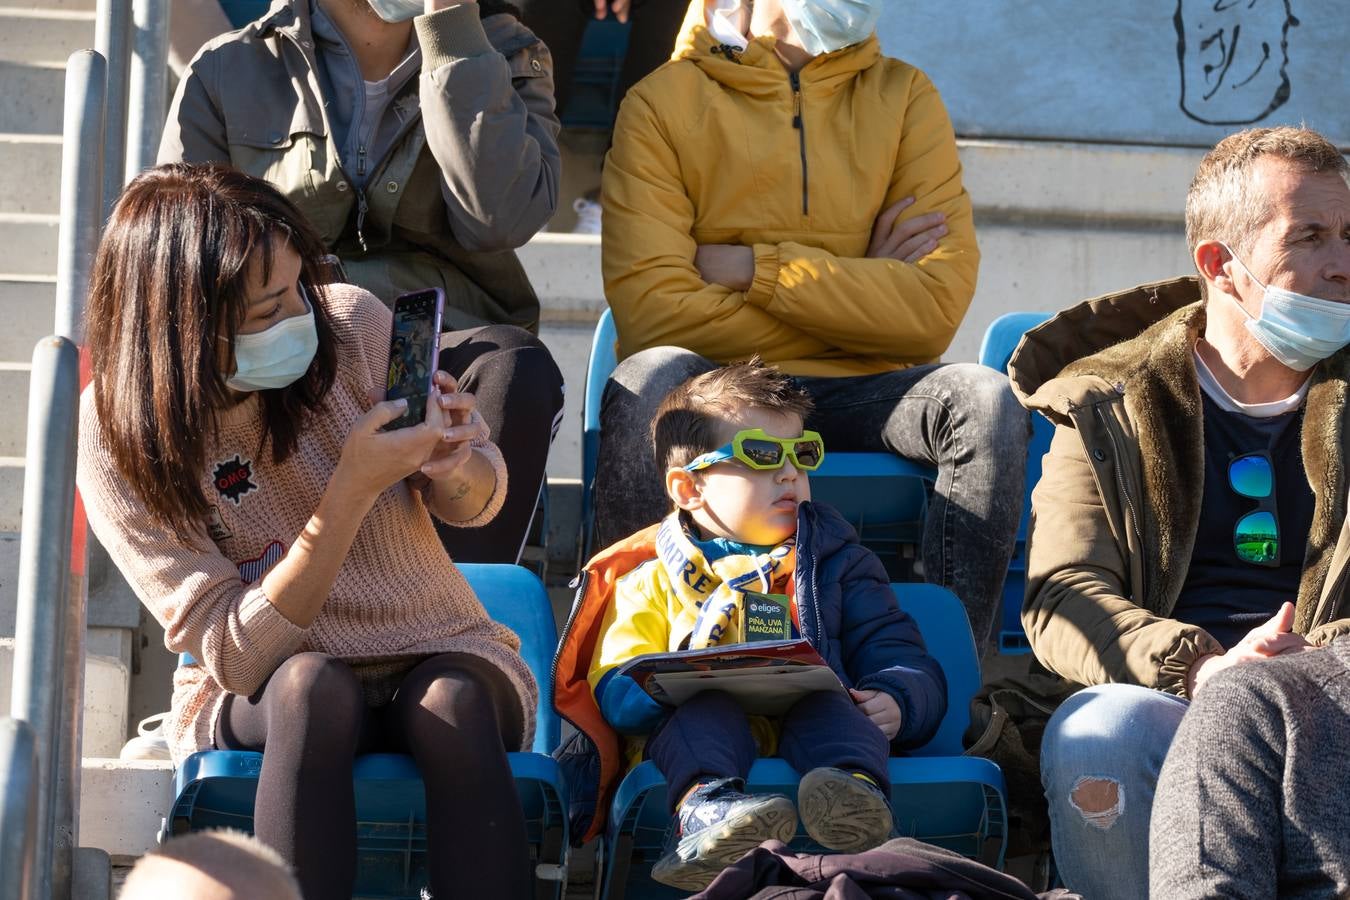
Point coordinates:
pixel 962 419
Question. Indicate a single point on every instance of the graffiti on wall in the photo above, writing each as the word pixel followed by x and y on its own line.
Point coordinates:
pixel 1234 58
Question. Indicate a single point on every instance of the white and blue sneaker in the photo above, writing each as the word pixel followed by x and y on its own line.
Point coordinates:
pixel 844 811
pixel 715 826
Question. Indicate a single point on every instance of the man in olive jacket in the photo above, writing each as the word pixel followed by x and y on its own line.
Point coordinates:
pixel 1191 515
pixel 423 151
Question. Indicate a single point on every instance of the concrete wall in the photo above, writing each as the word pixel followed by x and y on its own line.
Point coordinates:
pixel 1179 72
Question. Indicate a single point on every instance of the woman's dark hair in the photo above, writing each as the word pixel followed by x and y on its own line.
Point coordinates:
pixel 168 295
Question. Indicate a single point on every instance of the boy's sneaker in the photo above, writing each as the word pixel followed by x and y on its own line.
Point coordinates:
pixel 844 811
pixel 717 825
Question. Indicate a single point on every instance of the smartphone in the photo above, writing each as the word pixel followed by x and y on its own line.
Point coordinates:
pixel 414 347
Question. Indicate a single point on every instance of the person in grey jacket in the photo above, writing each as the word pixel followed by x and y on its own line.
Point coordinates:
pixel 1252 800
pixel 423 151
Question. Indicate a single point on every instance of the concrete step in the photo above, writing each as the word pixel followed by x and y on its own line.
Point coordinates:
pixel 31 102
pixel 565 272
pixel 107 676
pixel 53 5
pixel 44 36
pixel 9 577
pixel 28 244
pixel 14 422
pixel 28 311
pixel 122 804
pixel 11 510
pixel 30 169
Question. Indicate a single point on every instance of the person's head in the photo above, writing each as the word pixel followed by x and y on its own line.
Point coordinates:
pixel 212 865
pixel 202 291
pixel 729 498
pixel 1278 200
pixel 803 29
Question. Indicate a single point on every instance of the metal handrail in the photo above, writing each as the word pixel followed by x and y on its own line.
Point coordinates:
pixel 48 685
pixel 18 808
pixel 40 755
pixel 148 84
pixel 49 627
pixel 112 39
pixel 83 167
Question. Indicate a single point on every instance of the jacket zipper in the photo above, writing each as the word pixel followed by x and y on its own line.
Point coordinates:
pixel 806 587
pixel 1120 479
pixel 361 160
pixel 361 206
pixel 579 584
pixel 800 124
pixel 361 209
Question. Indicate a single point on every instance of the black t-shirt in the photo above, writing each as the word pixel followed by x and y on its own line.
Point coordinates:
pixel 1222 594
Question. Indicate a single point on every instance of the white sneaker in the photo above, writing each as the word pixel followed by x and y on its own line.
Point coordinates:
pixel 149 742
pixel 588 216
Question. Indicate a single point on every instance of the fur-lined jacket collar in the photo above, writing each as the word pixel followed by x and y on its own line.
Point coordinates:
pixel 1121 368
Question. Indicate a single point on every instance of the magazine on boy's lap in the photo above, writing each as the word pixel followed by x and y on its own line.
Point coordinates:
pixel 765 677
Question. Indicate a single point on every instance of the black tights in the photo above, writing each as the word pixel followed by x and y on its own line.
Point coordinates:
pixel 455 713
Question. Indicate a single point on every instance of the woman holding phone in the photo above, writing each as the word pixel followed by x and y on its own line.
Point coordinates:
pixel 233 463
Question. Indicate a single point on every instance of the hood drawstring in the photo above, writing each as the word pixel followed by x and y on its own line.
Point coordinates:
pixel 730 51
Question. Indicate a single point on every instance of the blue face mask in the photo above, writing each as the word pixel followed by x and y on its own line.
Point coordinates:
pixel 277 357
pixel 828 25
pixel 397 10
pixel 1298 330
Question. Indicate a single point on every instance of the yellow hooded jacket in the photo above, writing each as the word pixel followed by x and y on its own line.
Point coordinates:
pixel 719 147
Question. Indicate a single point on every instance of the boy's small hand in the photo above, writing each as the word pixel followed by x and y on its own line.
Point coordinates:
pixel 881 708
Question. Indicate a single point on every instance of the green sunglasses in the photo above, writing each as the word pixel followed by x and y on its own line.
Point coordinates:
pixel 758 450
pixel 1256 536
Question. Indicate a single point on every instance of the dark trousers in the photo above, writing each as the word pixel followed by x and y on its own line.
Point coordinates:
pixel 455 713
pixel 561 23
pixel 519 391
pixel 709 737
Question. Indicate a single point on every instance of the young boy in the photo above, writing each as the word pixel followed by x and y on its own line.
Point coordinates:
pixel 736 459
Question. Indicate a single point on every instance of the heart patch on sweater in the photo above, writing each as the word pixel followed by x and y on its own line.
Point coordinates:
pixel 250 570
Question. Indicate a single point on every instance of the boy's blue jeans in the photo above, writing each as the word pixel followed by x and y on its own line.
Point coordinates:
pixel 709 737
pixel 962 419
pixel 1100 757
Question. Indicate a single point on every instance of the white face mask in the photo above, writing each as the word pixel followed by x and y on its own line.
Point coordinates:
pixel 397 10
pixel 1298 330
pixel 824 26
pixel 278 356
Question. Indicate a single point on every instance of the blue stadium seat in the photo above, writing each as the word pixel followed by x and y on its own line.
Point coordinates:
pixel 938 795
pixel 241 12
pixel 883 496
pixel 1000 340
pixel 216 788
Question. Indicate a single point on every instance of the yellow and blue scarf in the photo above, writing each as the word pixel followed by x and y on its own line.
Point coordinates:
pixel 716 587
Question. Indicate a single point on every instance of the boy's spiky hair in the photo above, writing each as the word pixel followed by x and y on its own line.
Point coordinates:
pixel 692 418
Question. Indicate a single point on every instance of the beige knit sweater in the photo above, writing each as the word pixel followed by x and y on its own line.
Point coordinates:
pixel 397 593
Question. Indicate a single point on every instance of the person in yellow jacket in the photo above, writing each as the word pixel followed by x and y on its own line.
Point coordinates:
pixel 780 188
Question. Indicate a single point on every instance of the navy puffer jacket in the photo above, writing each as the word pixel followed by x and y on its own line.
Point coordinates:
pixel 849 613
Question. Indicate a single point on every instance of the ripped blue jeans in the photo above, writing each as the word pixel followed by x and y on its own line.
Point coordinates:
pixel 1100 758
